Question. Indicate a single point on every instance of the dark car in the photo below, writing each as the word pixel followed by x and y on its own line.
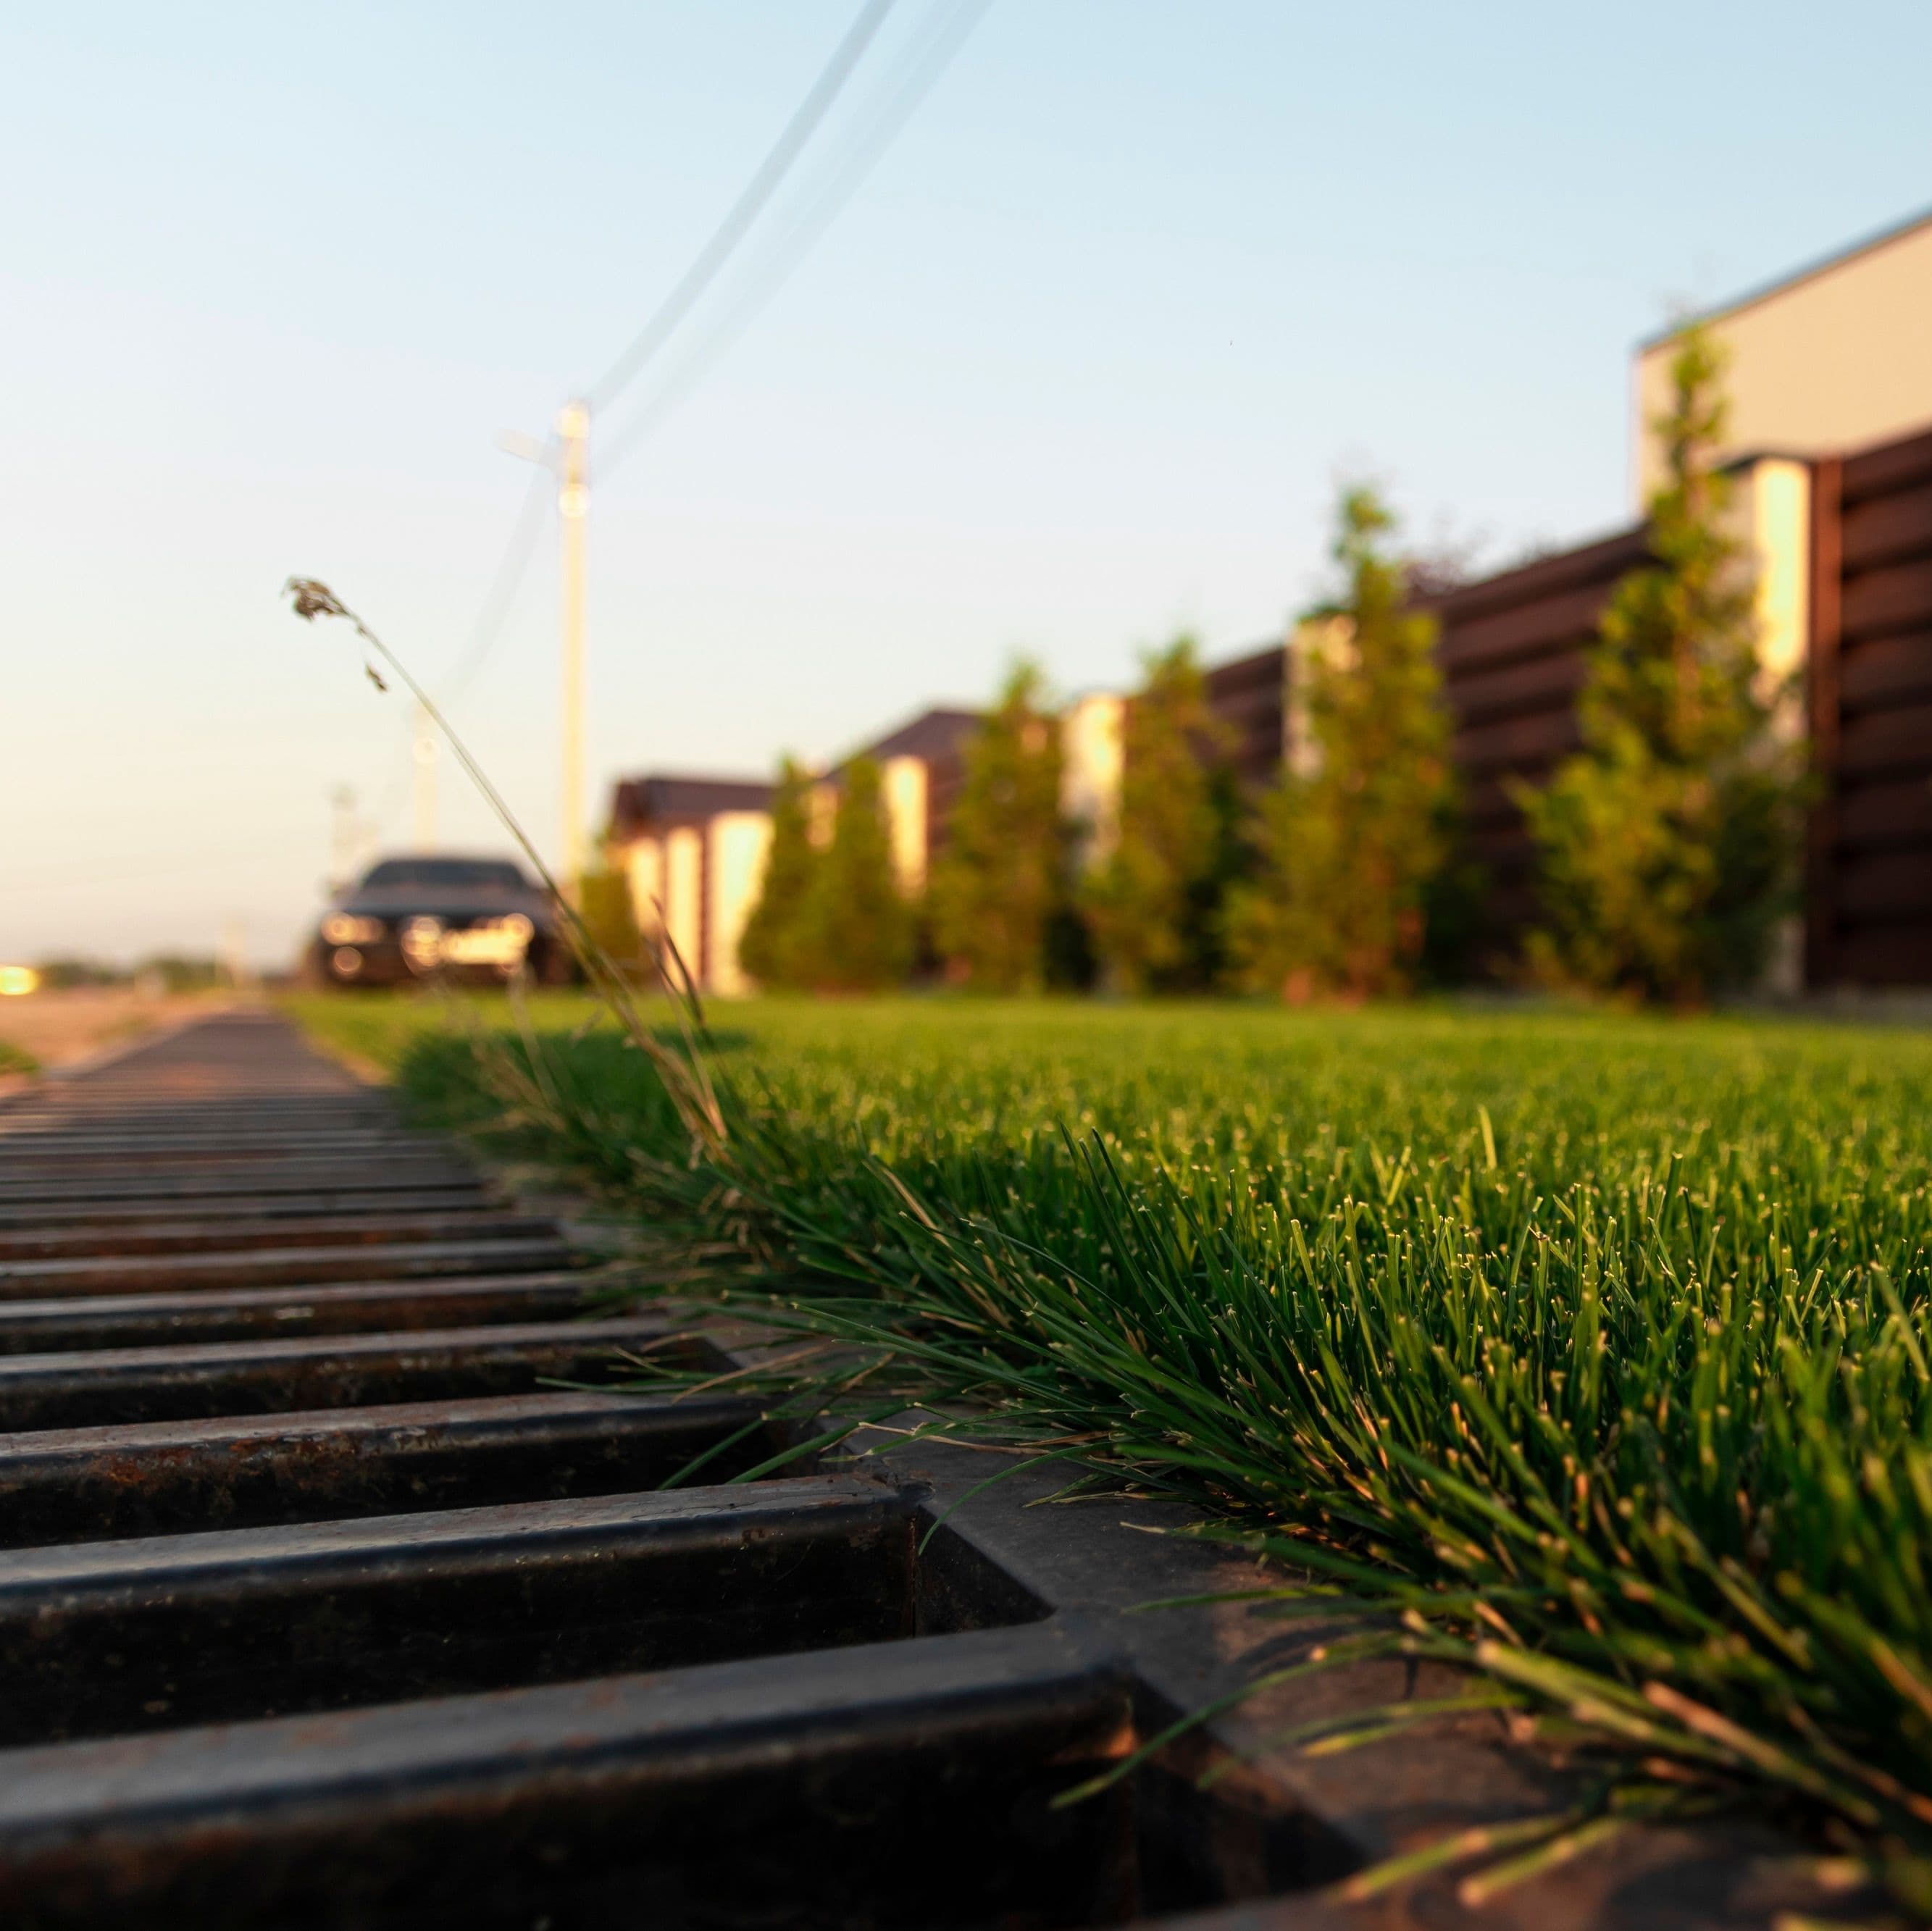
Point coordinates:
pixel 417 918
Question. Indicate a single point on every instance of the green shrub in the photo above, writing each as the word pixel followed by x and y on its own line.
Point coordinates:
pixel 603 903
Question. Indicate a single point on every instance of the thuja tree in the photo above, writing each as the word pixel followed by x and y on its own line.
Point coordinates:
pixel 855 931
pixel 769 949
pixel 1001 881
pixel 1351 845
pixel 1151 901
pixel 1668 844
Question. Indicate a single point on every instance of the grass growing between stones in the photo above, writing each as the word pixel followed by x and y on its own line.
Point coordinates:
pixel 1592 1351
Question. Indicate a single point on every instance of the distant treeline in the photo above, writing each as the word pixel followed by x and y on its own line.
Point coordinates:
pixel 170 972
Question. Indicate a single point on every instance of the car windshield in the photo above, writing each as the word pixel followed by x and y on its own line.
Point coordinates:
pixel 443 874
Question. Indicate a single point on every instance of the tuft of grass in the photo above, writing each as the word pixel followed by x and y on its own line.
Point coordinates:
pixel 1593 1352
pixel 16 1059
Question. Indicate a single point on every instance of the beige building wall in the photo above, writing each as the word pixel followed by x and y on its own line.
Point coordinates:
pixel 740 843
pixel 904 787
pixel 1835 359
pixel 1771 512
pixel 643 866
pixel 1092 761
pixel 683 897
pixel 1773 506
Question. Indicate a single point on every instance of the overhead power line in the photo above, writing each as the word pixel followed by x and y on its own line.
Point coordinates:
pixel 491 615
pixel 704 270
pixel 503 587
pixel 745 210
pixel 944 32
pixel 918 69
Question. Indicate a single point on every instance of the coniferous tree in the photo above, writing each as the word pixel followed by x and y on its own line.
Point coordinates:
pixel 1001 881
pixel 1668 844
pixel 1149 901
pixel 769 948
pixel 855 931
pixel 1350 848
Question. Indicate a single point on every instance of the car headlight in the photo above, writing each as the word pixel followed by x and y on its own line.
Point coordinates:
pixel 345 929
pixel 518 928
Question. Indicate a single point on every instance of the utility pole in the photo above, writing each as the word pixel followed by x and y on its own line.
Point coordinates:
pixel 573 505
pixel 422 748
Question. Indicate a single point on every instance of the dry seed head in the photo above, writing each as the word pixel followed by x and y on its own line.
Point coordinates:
pixel 313 599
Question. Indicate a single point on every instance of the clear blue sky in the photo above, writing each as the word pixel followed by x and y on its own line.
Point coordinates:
pixel 1080 364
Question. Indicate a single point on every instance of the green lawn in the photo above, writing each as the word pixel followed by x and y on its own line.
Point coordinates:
pixel 1617 1326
